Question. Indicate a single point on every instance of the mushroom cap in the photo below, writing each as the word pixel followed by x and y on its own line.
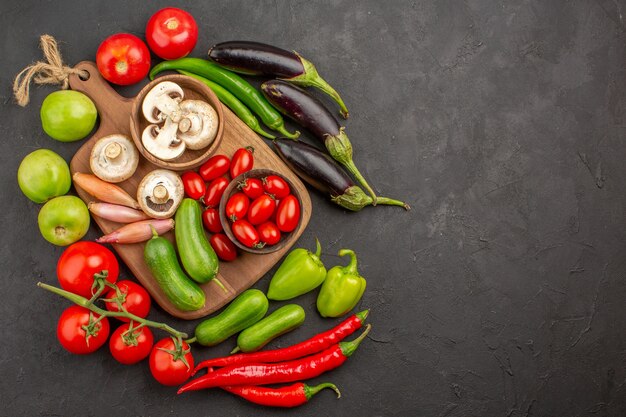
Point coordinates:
pixel 199 124
pixel 162 142
pixel 114 158
pixel 163 98
pixel 160 193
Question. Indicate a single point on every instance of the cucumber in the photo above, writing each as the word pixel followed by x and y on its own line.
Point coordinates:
pixel 196 254
pixel 281 321
pixel 160 256
pixel 245 310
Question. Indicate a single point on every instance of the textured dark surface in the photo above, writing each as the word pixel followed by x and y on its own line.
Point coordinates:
pixel 501 293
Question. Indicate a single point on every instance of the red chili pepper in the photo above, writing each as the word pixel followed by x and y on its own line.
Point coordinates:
pixel 308 347
pixel 275 373
pixel 287 397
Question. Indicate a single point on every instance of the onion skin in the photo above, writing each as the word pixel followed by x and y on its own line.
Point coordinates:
pixel 138 231
pixel 117 213
pixel 104 191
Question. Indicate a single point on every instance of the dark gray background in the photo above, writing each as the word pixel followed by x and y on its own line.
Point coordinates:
pixel 501 293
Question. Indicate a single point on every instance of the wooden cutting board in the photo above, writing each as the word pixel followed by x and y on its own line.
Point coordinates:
pixel 115 113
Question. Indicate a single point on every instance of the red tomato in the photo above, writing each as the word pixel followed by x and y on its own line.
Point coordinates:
pixel 131 347
pixel 171 369
pixel 288 214
pixel 214 167
pixel 80 262
pixel 252 187
pixel 223 247
pixel 194 185
pixel 211 220
pixel 237 206
pixel 246 233
pixel 214 192
pixel 74 338
pixel 276 186
pixel 243 161
pixel 123 59
pixel 268 233
pixel 135 299
pixel 261 209
pixel 171 33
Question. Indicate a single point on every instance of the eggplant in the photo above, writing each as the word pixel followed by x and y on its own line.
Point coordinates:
pixel 323 173
pixel 255 58
pixel 311 114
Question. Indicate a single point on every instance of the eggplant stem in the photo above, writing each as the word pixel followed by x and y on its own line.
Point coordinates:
pixel 352 169
pixel 391 202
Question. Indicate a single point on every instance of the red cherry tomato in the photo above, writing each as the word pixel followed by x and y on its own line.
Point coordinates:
pixel 288 214
pixel 135 299
pixel 261 209
pixel 237 206
pixel 167 368
pixel 214 192
pixel 74 338
pixel 276 186
pixel 214 167
pixel 223 247
pixel 211 220
pixel 252 187
pixel 194 185
pixel 123 59
pixel 130 347
pixel 242 161
pixel 246 233
pixel 268 233
pixel 171 33
pixel 80 262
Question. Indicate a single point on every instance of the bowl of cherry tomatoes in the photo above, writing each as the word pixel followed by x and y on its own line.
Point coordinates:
pixel 260 211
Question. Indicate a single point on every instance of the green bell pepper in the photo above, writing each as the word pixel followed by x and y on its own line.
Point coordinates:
pixel 300 272
pixel 342 289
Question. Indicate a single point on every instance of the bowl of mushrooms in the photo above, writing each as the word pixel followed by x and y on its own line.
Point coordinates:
pixel 177 122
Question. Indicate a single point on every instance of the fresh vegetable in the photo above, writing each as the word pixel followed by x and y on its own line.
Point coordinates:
pixel 215 167
pixel 116 213
pixel 123 59
pixel 246 309
pixel 342 289
pixel 321 172
pixel 261 59
pixel 232 82
pixel 246 234
pixel 63 220
pixel 214 192
pixel 83 267
pixel 308 347
pixel 160 256
pixel 128 296
pixel 243 161
pixel 281 321
pixel 138 231
pixel 261 209
pixel 68 115
pixel 195 251
pixel 43 175
pixel 276 186
pixel 275 373
pixel 237 206
pixel 171 361
pixel 171 33
pixel 211 220
pixel 252 187
pixel 223 247
pixel 104 191
pixel 160 193
pixel 233 103
pixel 193 184
pixel 286 397
pixel 114 158
pixel 80 331
pixel 288 213
pixel 300 272
pixel 268 233
pixel 130 345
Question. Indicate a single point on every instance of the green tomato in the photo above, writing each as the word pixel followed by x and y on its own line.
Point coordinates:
pixel 63 220
pixel 43 174
pixel 68 115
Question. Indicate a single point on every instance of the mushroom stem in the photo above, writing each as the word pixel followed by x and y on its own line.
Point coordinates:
pixel 113 150
pixel 184 125
pixel 160 194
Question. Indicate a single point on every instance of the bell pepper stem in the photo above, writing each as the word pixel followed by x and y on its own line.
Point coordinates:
pixel 348 348
pixel 310 391
pixel 318 248
pixel 235 350
pixel 351 268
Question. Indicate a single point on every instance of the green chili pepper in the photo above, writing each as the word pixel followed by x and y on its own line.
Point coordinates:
pixel 232 103
pixel 232 82
pixel 300 272
pixel 342 288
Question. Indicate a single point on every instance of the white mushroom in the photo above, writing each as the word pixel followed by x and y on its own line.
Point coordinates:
pixel 160 193
pixel 198 127
pixel 114 158
pixel 162 102
pixel 162 141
